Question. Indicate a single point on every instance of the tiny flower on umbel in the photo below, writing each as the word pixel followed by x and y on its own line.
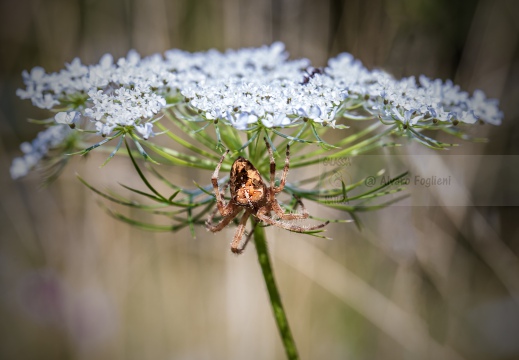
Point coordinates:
pixel 67 118
pixel 275 120
pixel 146 130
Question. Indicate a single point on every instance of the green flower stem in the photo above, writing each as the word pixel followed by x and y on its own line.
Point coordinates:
pixel 277 307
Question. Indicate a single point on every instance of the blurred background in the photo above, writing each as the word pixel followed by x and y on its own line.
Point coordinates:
pixel 419 282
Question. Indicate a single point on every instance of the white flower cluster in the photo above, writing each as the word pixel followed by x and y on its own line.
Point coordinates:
pixel 34 151
pixel 122 107
pixel 275 103
pixel 115 95
pixel 250 86
pixel 246 88
pixel 410 102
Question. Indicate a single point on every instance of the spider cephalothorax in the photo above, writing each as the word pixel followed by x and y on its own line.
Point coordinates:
pixel 250 194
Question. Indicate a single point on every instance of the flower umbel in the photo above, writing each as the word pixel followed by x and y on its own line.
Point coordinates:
pixel 245 95
pixel 53 138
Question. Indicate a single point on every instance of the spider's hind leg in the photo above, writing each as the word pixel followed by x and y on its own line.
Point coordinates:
pixel 224 210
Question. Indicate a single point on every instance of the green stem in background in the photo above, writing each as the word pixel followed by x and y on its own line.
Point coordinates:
pixel 260 241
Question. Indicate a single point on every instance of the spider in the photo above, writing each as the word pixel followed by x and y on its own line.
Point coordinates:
pixel 249 193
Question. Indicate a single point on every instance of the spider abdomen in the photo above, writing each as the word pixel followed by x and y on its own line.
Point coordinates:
pixel 246 185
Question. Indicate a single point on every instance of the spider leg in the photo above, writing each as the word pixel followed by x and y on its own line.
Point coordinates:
pixel 272 168
pixel 273 189
pixel 224 188
pixel 215 211
pixel 263 216
pixel 233 211
pixel 224 210
pixel 290 216
pixel 249 235
pixel 211 216
pixel 285 172
pixel 235 245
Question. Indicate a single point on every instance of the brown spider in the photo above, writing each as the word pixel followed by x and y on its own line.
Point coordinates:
pixel 249 193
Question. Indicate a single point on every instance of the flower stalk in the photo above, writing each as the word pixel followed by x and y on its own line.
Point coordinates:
pixel 260 240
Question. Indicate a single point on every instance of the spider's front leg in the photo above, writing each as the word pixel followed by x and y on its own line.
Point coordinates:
pixel 215 210
pixel 224 209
